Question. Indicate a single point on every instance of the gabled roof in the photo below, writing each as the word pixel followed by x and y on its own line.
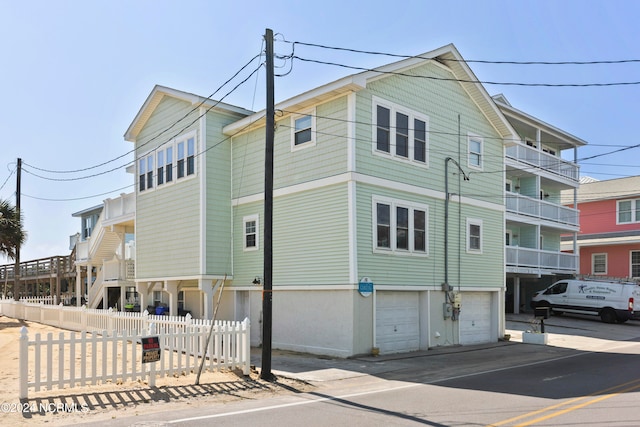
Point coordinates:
pixel 447 55
pixel 159 92
pixel 564 139
pixel 620 188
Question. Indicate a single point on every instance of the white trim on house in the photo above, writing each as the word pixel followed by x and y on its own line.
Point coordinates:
pixel 201 161
pixel 366 179
pixel 351 190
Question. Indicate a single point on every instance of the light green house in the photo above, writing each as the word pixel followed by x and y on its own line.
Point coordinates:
pixel 361 166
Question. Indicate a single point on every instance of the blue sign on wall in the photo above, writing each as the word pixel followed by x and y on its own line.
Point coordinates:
pixel 365 287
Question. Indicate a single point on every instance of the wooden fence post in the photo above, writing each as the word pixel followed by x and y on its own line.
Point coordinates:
pixel 24 365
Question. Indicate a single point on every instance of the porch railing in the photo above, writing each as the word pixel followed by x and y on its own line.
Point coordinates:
pixel 534 258
pixel 548 162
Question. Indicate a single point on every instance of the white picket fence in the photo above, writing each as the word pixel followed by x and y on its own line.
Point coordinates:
pixel 108 349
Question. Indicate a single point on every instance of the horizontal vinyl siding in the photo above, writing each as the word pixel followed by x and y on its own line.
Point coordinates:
pixel 247 264
pixel 168 217
pixel 487 268
pixel 395 269
pixel 328 157
pixel 442 102
pixel 168 233
pixel 219 225
pixel 168 112
pixel 310 237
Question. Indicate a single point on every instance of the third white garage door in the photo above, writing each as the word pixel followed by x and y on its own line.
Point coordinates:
pixel 397 322
pixel 475 318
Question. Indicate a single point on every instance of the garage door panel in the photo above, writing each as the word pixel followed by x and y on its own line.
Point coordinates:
pixel 475 318
pixel 397 322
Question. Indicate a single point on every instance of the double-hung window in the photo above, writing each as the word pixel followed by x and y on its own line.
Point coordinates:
pixel 145 172
pixel 191 156
pixel 142 174
pixel 160 167
pixel 186 162
pixel 474 235
pixel 402 135
pixel 157 168
pixel 180 165
pixel 169 164
pixel 599 263
pixel 399 132
pixel 628 211
pixel 399 226
pixel 251 228
pixel 635 264
pixel 303 130
pixel 475 152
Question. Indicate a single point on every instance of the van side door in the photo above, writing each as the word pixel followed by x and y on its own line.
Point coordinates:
pixel 557 294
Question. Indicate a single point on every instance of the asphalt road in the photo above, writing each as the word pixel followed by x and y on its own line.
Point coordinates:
pixel 507 384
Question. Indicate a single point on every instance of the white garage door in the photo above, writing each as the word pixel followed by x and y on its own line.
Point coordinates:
pixel 397 317
pixel 475 318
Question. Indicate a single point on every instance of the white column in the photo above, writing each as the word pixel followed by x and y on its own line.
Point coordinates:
pixel 171 286
pixel 78 286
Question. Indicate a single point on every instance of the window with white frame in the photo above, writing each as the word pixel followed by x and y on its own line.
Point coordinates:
pixel 157 169
pixel 475 144
pixel 474 235
pixel 635 264
pixel 303 131
pixel 628 211
pixel 145 172
pixel 160 167
pixel 599 263
pixel 400 227
pixel 251 228
pixel 399 132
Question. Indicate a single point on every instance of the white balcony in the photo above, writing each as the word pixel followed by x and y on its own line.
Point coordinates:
pixel 519 259
pixel 544 161
pixel 541 209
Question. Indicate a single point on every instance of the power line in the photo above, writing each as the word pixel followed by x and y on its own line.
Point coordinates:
pixel 484 82
pixel 446 133
pixel 7 180
pixel 156 148
pixel 78 198
pixel 480 61
pixel 159 134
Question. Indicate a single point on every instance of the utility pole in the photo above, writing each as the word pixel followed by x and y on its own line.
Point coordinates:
pixel 267 291
pixel 17 289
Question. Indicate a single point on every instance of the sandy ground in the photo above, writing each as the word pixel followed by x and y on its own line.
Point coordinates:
pixel 101 403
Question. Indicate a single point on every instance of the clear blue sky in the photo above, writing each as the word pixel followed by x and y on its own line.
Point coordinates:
pixel 75 73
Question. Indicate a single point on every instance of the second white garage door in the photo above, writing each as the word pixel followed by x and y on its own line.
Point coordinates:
pixel 475 318
pixel 397 322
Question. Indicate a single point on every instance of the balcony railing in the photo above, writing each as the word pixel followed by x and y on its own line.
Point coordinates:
pixel 124 205
pixel 535 157
pixel 539 259
pixel 536 208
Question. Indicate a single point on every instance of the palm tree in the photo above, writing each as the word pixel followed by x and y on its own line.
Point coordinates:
pixel 12 235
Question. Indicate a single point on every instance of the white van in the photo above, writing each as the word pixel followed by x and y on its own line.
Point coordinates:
pixel 612 301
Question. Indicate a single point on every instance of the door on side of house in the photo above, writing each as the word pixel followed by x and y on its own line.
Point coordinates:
pixel 397 321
